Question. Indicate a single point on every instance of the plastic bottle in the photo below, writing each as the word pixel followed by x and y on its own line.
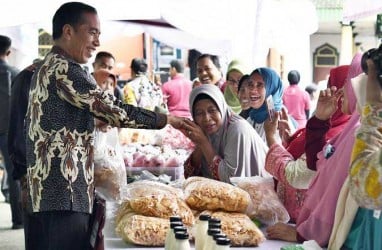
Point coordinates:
pixel 181 241
pixel 209 242
pixel 201 231
pixel 170 236
pixel 222 244
pixel 216 236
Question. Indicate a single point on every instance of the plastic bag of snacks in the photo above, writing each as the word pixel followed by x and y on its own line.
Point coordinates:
pixel 109 168
pixel 208 194
pixel 266 206
pixel 158 200
pixel 142 230
pixel 239 228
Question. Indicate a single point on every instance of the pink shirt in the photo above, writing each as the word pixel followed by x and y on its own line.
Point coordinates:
pixel 297 101
pixel 178 91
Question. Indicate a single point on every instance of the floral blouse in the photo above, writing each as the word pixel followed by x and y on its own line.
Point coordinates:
pixel 366 164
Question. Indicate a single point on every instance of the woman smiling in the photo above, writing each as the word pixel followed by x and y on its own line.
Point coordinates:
pixel 225 144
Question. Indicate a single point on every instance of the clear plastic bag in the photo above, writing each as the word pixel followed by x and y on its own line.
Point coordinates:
pixel 142 230
pixel 109 168
pixel 208 194
pixel 155 199
pixel 239 228
pixel 266 206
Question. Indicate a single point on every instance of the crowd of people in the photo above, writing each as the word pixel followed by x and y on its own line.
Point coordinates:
pixel 325 164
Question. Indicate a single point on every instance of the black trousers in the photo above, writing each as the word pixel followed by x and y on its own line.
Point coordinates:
pixel 56 230
pixel 13 185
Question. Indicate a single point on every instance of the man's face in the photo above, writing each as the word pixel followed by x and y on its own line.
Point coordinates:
pixel 84 38
pixel 104 63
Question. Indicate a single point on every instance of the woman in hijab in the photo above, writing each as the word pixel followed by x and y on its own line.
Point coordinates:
pixel 332 163
pixel 365 172
pixel 235 71
pixel 225 144
pixel 264 82
pixel 288 164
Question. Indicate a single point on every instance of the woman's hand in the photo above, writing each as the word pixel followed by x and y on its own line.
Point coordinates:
pixel 281 231
pixel 194 132
pixel 327 103
pixel 285 126
pixel 270 128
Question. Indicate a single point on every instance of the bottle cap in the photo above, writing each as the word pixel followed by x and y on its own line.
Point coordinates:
pixel 214 220
pixel 175 224
pixel 180 229
pixel 213 231
pixel 223 241
pixel 204 217
pixel 219 235
pixel 181 235
pixel 175 218
pixel 214 225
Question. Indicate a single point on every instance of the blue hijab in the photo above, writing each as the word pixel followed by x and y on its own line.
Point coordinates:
pixel 274 87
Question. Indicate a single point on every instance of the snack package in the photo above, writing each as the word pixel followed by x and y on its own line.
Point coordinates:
pixel 266 206
pixel 208 194
pixel 239 228
pixel 109 168
pixel 162 201
pixel 143 230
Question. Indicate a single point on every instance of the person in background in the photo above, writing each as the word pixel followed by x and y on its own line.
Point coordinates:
pixel 235 71
pixel 140 91
pixel 64 100
pixel 296 100
pixel 16 134
pixel 313 92
pixel 287 162
pixel 330 159
pixel 225 144
pixel 208 69
pixel 243 96
pixel 177 90
pixel 7 74
pixel 105 60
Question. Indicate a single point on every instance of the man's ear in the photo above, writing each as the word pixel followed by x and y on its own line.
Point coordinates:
pixel 8 52
pixel 67 31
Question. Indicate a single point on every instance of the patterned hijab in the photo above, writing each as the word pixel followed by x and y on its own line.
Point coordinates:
pixel 274 87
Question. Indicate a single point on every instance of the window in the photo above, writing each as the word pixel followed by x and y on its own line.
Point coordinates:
pixel 325 56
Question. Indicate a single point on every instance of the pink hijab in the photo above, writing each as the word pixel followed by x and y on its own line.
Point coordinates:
pixel 317 214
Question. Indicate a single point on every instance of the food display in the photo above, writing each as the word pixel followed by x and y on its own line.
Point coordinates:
pixel 207 194
pixel 239 228
pixel 163 201
pixel 157 151
pixel 143 230
pixel 109 170
pixel 266 206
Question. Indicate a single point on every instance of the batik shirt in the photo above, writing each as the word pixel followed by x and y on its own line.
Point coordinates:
pixel 366 167
pixel 64 99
